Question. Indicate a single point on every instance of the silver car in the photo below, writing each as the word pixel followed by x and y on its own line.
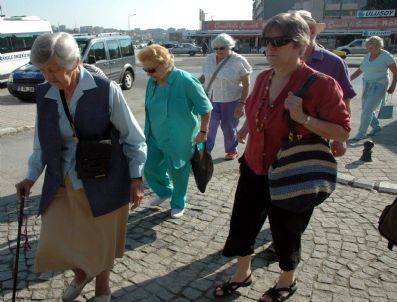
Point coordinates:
pixel 186 48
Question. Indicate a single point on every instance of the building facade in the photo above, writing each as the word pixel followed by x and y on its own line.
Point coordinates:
pixel 345 19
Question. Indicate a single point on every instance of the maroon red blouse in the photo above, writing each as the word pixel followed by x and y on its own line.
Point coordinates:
pixel 324 100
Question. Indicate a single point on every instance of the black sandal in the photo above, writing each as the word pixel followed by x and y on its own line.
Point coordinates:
pixel 229 288
pixel 280 294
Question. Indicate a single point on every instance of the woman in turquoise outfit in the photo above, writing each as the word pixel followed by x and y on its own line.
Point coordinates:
pixel 177 117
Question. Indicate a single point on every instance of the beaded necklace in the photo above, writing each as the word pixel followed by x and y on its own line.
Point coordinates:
pixel 264 101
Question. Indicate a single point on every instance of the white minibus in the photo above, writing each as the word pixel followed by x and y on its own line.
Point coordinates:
pixel 17 35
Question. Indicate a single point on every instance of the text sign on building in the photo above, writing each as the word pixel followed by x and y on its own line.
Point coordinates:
pixel 380 33
pixel 233 25
pixel 376 24
pixel 376 13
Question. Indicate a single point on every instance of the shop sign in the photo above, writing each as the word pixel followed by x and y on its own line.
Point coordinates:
pixel 376 13
pixel 364 24
pixel 233 25
pixel 380 33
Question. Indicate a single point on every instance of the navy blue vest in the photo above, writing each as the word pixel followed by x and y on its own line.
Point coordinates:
pixel 92 122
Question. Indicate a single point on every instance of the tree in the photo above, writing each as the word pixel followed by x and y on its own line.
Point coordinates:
pixel 381 4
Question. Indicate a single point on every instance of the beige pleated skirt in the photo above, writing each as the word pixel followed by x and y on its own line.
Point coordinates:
pixel 71 237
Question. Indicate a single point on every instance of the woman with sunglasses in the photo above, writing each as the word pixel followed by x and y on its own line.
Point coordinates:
pixel 227 89
pixel 322 113
pixel 177 117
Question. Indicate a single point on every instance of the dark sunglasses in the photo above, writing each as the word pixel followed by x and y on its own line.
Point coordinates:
pixel 276 41
pixel 219 48
pixel 151 70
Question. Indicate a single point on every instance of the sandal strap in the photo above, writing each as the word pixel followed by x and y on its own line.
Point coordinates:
pixel 276 293
pixel 230 287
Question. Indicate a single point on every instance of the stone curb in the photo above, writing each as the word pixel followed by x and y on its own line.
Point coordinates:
pixel 380 186
pixel 11 130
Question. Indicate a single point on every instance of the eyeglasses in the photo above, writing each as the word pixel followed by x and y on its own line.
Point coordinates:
pixel 151 70
pixel 219 48
pixel 276 41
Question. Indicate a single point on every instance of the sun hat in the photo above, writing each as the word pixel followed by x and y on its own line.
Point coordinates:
pixel 307 16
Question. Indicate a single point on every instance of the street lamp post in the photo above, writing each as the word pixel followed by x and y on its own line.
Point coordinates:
pixel 129 21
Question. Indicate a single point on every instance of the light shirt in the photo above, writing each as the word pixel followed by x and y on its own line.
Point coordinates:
pixel 227 86
pixel 377 70
pixel 131 135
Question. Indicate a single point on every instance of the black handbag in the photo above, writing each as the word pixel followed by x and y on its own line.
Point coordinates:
pixel 304 172
pixel 388 224
pixel 92 156
pixel 202 166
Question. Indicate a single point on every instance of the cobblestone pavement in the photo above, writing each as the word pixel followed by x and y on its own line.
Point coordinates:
pixel 344 257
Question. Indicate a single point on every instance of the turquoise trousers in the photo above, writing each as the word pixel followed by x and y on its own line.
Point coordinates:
pixel 164 179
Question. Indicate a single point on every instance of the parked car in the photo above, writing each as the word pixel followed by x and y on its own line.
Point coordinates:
pixel 22 82
pixel 356 46
pixel 114 54
pixel 169 45
pixel 185 48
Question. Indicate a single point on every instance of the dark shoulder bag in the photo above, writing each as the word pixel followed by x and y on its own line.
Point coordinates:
pixel 388 224
pixel 92 156
pixel 304 172
pixel 202 166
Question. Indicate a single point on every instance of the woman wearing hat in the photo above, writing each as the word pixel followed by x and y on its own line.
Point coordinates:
pixel 318 58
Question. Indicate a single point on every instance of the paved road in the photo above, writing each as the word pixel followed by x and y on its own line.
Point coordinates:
pixel 344 257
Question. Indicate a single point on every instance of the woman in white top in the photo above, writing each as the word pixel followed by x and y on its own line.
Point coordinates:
pixel 227 91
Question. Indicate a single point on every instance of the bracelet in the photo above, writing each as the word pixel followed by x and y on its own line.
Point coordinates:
pixel 203 131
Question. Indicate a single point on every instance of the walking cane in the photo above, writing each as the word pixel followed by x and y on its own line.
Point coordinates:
pixel 20 221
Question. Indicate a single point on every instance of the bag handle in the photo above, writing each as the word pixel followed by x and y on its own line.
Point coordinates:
pixel 216 73
pixel 389 98
pixel 69 116
pixel 300 93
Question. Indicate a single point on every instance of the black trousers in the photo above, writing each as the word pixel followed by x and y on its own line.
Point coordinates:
pixel 251 207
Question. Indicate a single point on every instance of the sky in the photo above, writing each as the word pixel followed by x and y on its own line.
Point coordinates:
pixel 117 13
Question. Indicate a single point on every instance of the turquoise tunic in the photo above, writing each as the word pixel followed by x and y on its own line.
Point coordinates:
pixel 173 115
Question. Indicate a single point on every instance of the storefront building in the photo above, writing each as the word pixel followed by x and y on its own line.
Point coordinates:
pixel 247 33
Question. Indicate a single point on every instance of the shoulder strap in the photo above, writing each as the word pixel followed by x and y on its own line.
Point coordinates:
pixel 67 112
pixel 306 85
pixel 300 93
pixel 207 90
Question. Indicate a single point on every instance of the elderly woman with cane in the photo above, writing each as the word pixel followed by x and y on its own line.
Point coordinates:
pixel 83 208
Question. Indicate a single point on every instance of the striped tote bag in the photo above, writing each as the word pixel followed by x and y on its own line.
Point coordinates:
pixel 303 175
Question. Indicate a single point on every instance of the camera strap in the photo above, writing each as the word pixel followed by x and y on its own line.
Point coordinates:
pixel 69 116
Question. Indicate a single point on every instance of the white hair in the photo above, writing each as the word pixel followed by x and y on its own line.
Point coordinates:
pixel 223 40
pixel 62 46
pixel 374 40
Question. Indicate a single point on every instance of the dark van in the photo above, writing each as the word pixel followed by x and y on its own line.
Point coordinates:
pixel 112 53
